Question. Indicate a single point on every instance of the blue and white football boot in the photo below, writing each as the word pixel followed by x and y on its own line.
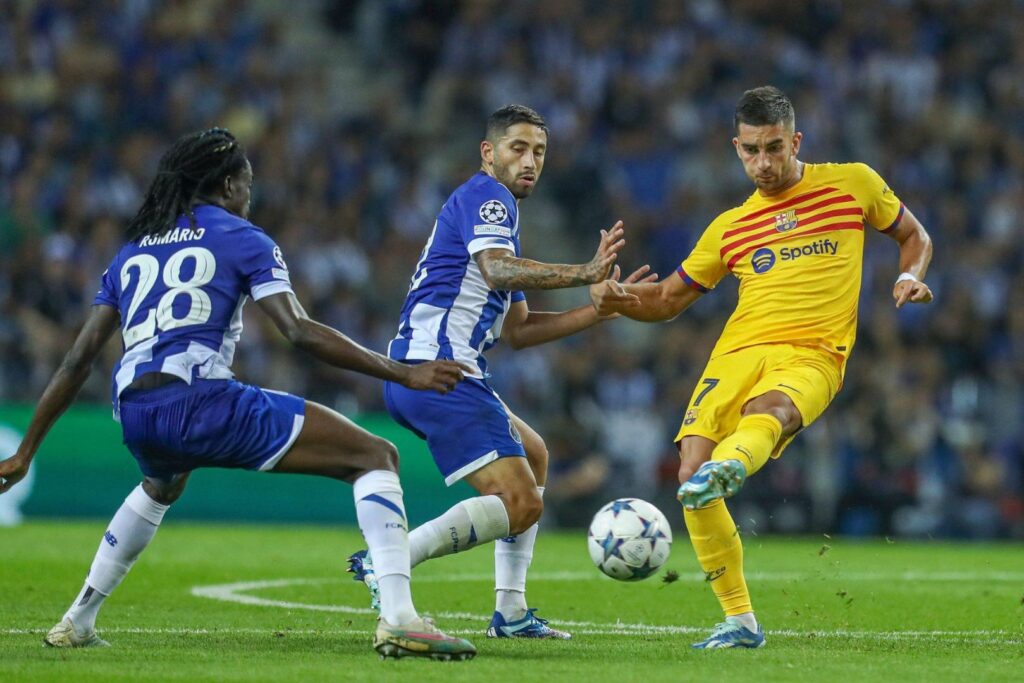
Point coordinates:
pixel 361 565
pixel 731 633
pixel 714 480
pixel 530 626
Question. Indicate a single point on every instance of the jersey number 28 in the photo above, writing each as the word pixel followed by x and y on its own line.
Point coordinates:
pixel 162 317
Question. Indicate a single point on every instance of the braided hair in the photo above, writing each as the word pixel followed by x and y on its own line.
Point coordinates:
pixel 195 165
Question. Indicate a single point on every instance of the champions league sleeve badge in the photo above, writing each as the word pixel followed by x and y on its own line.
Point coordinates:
pixel 279 257
pixel 493 211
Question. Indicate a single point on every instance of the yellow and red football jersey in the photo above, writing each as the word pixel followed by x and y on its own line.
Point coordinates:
pixel 798 257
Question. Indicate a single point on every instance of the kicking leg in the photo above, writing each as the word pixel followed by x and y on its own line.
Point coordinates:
pixel 708 474
pixel 129 532
pixel 717 542
pixel 766 420
pixel 331 445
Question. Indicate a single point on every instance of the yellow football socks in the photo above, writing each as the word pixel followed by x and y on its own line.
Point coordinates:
pixel 717 541
pixel 752 443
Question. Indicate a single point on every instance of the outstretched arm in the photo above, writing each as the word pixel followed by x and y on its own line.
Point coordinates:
pixel 503 270
pixel 334 348
pixel 915 255
pixel 644 301
pixel 523 327
pixel 67 381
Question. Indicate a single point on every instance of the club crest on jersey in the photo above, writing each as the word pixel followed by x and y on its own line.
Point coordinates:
pixel 493 211
pixel 785 221
pixel 514 433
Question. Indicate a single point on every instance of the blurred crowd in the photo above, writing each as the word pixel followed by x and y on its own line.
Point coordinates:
pixel 360 118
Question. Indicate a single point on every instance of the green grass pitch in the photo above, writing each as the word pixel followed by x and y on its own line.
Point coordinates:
pixel 233 603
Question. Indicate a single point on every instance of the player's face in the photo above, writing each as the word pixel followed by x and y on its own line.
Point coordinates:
pixel 769 154
pixel 517 158
pixel 238 191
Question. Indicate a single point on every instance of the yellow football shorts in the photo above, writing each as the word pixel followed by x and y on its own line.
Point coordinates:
pixel 811 377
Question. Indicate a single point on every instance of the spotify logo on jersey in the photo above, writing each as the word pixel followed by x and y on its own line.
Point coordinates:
pixel 763 260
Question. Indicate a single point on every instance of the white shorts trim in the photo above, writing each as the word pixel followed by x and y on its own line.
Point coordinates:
pixel 469 468
pixel 296 430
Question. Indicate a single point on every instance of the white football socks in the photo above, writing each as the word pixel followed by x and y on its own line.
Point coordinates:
pixel 128 534
pixel 512 558
pixel 747 620
pixel 381 516
pixel 464 526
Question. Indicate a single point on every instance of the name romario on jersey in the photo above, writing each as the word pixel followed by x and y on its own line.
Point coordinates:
pixel 180 295
pixel 798 256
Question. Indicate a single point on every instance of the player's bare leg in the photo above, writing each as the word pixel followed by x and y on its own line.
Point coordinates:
pixel 127 535
pixel 330 445
pixel 513 555
pixel 767 420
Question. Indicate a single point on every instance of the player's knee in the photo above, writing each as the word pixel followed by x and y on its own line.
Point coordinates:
pixel 686 471
pixel 537 455
pixel 524 510
pixel 780 407
pixel 787 415
pixel 693 452
pixel 385 456
pixel 163 492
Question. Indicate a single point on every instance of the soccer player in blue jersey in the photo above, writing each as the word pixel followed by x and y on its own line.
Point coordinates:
pixel 175 291
pixel 467 289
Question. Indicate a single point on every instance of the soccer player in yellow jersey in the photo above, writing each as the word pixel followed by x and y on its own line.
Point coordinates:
pixel 796 245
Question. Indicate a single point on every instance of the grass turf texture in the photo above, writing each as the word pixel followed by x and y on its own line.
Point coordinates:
pixel 834 610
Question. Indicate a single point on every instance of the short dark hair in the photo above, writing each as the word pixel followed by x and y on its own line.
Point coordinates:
pixel 511 114
pixel 764 106
pixel 196 164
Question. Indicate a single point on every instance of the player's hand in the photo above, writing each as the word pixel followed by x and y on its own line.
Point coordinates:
pixel 13 470
pixel 641 274
pixel 913 291
pixel 607 251
pixel 438 375
pixel 609 297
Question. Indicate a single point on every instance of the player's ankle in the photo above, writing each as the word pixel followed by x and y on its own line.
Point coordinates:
pixel 747 619
pixel 510 603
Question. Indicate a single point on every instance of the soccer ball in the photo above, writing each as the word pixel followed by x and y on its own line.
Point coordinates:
pixel 629 539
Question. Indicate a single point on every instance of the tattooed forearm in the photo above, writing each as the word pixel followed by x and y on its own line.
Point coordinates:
pixel 507 272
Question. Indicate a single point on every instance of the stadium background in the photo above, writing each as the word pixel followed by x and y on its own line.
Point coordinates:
pixel 360 117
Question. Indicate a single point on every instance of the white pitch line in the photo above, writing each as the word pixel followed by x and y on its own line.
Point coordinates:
pixel 232 592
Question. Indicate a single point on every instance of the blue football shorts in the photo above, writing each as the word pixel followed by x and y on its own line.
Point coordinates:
pixel 212 423
pixel 465 429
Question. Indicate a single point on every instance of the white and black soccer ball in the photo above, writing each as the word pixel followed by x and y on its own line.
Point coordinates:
pixel 629 539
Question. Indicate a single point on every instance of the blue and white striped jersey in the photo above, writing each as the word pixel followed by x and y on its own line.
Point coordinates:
pixel 181 294
pixel 450 312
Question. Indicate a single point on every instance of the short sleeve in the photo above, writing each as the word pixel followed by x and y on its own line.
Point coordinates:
pixel 107 296
pixel 263 268
pixel 703 268
pixel 882 208
pixel 518 296
pixel 488 221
